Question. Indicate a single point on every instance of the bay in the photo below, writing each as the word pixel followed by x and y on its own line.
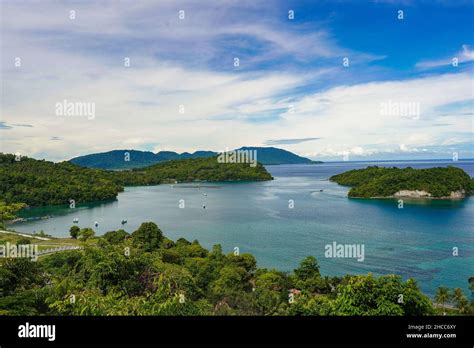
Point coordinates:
pixel 416 241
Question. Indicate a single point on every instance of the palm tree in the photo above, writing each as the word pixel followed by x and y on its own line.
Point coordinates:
pixel 442 295
pixel 460 299
pixel 458 295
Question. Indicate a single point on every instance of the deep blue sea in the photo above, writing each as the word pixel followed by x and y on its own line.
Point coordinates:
pixel 416 241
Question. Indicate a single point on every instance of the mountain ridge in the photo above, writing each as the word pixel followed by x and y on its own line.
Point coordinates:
pixel 128 159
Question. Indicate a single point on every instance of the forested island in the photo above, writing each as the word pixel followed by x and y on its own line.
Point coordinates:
pixel 145 273
pixel 39 182
pixel 380 182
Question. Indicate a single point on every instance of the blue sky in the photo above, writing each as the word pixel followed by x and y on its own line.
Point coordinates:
pixel 182 91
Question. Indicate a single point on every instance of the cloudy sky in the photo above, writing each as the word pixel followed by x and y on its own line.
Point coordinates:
pixel 322 79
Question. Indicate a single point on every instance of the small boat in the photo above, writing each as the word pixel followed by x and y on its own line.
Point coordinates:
pixel 124 222
pixel 203 207
pixel 75 221
pixel 204 194
pixel 96 224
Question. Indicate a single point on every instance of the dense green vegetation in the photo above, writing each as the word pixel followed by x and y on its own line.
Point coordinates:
pixel 36 182
pixel 8 211
pixel 384 182
pixel 128 159
pixel 193 169
pixel 145 273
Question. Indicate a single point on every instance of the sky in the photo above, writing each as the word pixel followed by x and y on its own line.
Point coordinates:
pixel 329 80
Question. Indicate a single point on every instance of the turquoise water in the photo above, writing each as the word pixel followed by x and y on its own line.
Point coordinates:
pixel 416 241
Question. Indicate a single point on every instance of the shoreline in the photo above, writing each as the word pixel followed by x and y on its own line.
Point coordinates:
pixel 419 195
pixel 415 198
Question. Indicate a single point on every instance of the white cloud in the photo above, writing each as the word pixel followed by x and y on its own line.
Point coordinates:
pixel 139 105
pixel 466 54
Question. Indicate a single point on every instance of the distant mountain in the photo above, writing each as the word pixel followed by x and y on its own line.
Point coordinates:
pixel 118 159
pixel 127 159
pixel 272 155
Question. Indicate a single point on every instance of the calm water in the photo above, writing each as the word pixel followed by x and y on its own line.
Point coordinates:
pixel 415 241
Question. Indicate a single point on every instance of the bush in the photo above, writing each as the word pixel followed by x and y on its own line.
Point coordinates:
pixel 23 241
pixel 86 233
pixel 74 231
pixel 116 237
pixel 148 236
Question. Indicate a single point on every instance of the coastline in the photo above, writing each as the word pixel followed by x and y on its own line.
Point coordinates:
pixel 415 195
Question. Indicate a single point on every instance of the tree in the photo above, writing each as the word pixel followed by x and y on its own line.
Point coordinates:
pixel 74 231
pixel 116 237
pixel 230 280
pixel 311 305
pixel 182 242
pixel 442 295
pixel 86 233
pixel 23 241
pixel 148 236
pixel 461 301
pixel 267 301
pixel 18 274
pixel 386 295
pixel 171 256
pixel 458 295
pixel 8 211
pixel 309 268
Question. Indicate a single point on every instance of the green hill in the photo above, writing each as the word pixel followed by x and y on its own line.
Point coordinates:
pixel 40 182
pixel 376 181
pixel 192 169
pixel 128 159
pixel 273 155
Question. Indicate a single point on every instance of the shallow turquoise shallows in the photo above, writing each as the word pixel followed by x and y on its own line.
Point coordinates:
pixel 416 241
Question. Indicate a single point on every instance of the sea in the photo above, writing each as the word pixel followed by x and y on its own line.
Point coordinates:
pixel 299 213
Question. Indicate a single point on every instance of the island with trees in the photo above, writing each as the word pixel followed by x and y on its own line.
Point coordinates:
pixel 380 182
pixel 146 273
pixel 38 182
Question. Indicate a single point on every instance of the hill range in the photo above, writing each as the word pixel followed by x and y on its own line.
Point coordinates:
pixel 137 159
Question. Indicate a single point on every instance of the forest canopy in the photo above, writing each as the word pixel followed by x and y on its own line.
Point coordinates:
pixel 145 273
